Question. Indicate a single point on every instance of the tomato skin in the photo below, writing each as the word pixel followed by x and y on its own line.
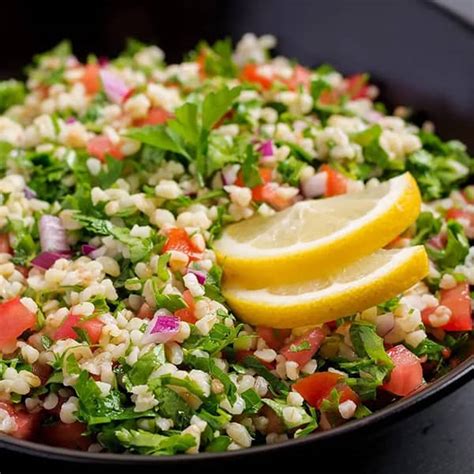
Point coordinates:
pixel 357 87
pixel 317 387
pixel 314 338
pixel 458 300
pixel 15 318
pixel 301 77
pixel 329 97
pixel 100 146
pixel 274 338
pixel 93 327
pixel 187 314
pixel 407 375
pixel 156 116
pixel 336 182
pixel 27 424
pixel 178 239
pixel 91 78
pixel 250 74
pixel 66 435
pixel 5 244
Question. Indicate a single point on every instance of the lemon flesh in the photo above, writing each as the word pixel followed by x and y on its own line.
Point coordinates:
pixel 369 281
pixel 317 236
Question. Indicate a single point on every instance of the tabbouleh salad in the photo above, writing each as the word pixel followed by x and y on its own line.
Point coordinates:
pixel 116 178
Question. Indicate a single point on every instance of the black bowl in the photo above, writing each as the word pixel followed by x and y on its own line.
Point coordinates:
pixel 419 54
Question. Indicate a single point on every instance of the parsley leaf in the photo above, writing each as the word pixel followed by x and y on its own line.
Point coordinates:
pixel 427 225
pixel 367 343
pixel 11 93
pixel 250 171
pixel 456 250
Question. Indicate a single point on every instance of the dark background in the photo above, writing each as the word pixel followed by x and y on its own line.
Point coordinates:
pixel 417 53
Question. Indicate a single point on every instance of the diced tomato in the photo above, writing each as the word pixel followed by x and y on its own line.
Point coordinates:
pixel 201 62
pixel 296 350
pixel 27 424
pixel 178 239
pixel 407 375
pixel 156 116
pixel 93 328
pixel 251 74
pixel 357 87
pixel 265 176
pixel 336 182
pixel 241 354
pixel 301 77
pixel 329 97
pixel 91 78
pixel 100 146
pixel 66 435
pixel 274 338
pixel 5 244
pixel 15 319
pixel 458 300
pixel 187 314
pixel 317 387
pixel 145 312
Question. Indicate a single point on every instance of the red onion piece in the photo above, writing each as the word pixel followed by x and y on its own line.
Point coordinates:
pixel 52 235
pixel 87 249
pixel 315 186
pixel 46 260
pixel 385 323
pixel 201 276
pixel 103 61
pixel 70 120
pixel 115 89
pixel 163 327
pixel 266 148
pixel 29 193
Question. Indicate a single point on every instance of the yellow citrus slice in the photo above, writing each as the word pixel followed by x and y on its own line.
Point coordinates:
pixel 317 236
pixel 369 281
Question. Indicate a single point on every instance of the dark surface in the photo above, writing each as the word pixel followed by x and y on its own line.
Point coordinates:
pixel 438 440
pixel 417 54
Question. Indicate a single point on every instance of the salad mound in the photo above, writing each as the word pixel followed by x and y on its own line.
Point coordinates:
pixel 116 179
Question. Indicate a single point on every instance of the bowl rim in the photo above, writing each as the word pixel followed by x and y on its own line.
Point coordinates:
pixel 448 383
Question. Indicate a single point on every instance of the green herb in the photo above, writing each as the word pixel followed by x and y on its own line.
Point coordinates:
pixel 219 337
pixel 427 225
pixel 278 406
pixel 24 245
pixel 217 421
pixel 455 251
pixel 218 58
pixel 170 302
pixel 303 346
pixel 11 93
pixel 373 152
pixel 82 335
pixel 145 365
pixel 219 444
pixel 46 342
pixel 429 348
pixel 250 170
pixel 162 267
pixel 290 170
pixel 212 286
pixel 277 385
pixel 172 405
pixel 145 442
pixel 367 343
pixel 252 400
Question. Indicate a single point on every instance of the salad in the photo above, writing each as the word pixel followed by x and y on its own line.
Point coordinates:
pixel 118 178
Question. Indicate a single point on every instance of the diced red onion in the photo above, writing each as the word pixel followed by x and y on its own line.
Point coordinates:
pixel 385 323
pixel 229 174
pixel 103 61
pixel 29 193
pixel 115 88
pixel 201 276
pixel 162 328
pixel 52 235
pixel 70 120
pixel 266 148
pixel 87 249
pixel 315 186
pixel 46 260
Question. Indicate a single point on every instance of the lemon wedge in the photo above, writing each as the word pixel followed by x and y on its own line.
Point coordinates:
pixel 369 281
pixel 317 236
